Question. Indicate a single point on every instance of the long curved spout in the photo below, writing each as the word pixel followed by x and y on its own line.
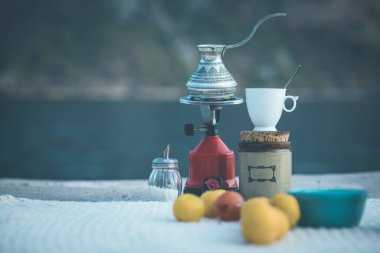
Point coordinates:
pixel 254 30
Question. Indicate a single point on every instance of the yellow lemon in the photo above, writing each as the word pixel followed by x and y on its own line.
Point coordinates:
pixel 188 207
pixel 249 204
pixel 289 205
pixel 259 224
pixel 283 223
pixel 209 198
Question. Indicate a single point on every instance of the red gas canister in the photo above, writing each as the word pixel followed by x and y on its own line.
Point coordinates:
pixel 211 166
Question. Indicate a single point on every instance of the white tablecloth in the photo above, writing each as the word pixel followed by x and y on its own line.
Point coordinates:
pixel 99 216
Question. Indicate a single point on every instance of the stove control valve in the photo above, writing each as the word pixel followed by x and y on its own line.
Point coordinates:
pixel 190 129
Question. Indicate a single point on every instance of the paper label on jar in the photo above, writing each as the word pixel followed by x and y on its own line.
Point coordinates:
pixel 264 174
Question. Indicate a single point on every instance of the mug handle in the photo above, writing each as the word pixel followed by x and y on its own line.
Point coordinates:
pixel 294 103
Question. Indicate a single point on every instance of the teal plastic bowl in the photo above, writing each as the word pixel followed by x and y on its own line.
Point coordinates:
pixel 330 208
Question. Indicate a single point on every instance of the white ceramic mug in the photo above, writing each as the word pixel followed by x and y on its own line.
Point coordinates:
pixel 265 107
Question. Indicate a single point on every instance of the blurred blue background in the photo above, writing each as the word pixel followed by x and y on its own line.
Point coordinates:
pixel 90 89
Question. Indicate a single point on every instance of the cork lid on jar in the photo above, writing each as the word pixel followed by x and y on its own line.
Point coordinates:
pixel 255 141
pixel 269 137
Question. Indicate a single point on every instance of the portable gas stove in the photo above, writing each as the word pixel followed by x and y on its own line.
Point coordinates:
pixel 211 86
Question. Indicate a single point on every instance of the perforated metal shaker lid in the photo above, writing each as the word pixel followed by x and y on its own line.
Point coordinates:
pixel 165 162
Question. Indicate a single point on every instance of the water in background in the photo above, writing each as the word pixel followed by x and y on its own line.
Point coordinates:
pixel 118 140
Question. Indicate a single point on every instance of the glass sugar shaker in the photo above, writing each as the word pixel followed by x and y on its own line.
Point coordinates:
pixel 165 182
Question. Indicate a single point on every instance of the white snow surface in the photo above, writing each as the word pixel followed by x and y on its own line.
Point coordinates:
pixel 114 216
